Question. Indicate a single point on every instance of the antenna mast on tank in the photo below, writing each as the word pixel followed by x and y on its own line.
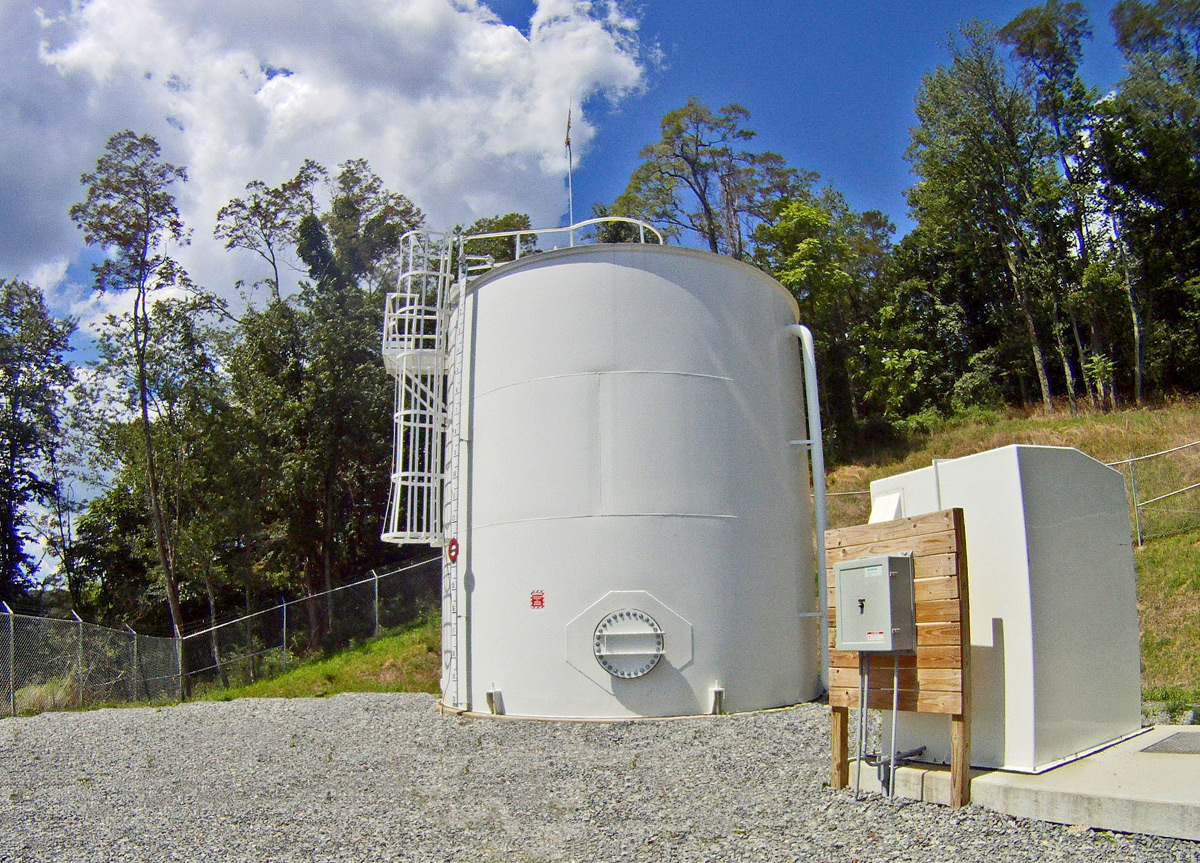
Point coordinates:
pixel 570 181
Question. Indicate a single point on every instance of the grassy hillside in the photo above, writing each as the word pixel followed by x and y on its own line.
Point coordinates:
pixel 405 660
pixel 1108 437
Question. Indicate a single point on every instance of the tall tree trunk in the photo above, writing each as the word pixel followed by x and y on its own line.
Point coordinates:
pixel 141 337
pixel 316 623
pixel 1088 386
pixel 212 631
pixel 1139 356
pixel 1068 374
pixel 1039 361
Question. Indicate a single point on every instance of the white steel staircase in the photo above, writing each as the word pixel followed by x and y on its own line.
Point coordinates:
pixel 414 351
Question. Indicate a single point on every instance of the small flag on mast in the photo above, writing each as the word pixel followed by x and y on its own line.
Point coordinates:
pixel 567 143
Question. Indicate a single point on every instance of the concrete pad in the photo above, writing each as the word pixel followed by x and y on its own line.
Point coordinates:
pixel 1122 788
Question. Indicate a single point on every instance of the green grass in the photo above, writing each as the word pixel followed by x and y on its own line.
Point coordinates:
pixel 1169 607
pixel 405 660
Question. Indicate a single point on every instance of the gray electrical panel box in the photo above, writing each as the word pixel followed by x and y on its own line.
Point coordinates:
pixel 876 607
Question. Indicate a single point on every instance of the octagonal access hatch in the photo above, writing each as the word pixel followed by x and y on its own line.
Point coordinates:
pixel 623 636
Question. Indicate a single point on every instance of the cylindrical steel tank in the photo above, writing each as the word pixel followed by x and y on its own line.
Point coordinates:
pixel 629 531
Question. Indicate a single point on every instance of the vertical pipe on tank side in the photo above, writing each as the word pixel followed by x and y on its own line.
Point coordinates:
pixel 816 450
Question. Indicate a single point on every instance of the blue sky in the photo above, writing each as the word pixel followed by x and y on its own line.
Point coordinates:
pixel 830 86
pixel 459 104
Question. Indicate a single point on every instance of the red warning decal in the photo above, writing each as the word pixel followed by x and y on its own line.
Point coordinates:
pixel 452 550
pixel 537 599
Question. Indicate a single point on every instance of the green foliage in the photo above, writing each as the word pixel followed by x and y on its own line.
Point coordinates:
pixel 832 260
pixel 267 219
pixel 499 249
pixel 34 378
pixel 698 177
pixel 130 212
pixel 313 399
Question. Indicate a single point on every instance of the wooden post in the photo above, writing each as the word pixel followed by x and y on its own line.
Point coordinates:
pixel 960 724
pixel 960 761
pixel 839 776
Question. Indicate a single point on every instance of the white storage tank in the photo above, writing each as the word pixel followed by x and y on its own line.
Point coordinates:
pixel 627 519
pixel 1055 661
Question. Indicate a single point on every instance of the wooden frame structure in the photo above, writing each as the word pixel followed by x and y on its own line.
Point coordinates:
pixel 937 679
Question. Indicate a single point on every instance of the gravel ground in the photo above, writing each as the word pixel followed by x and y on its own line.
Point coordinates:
pixel 371 777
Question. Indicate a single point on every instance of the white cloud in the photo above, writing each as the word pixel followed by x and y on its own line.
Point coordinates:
pixel 451 106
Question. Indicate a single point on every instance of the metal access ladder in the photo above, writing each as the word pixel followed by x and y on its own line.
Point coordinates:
pixel 414 352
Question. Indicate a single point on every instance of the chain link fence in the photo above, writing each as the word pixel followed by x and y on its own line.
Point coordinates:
pixel 54 664
pixel 1164 491
pixel 260 645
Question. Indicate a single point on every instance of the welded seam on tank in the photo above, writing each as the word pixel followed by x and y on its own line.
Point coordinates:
pixel 599 374
pixel 606 515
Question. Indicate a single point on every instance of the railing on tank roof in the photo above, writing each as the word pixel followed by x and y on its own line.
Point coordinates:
pixel 569 230
pixel 469 265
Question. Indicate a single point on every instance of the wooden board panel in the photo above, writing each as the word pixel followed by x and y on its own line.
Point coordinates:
pixel 924 566
pixel 933 679
pixel 881 699
pixel 901 529
pixel 936 543
pixel 926 657
pixel 936 679
pixel 924 589
pixel 938 587
pixel 928 635
pixel 936 611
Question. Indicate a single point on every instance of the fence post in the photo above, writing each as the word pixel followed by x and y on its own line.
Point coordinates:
pixel 1137 509
pixel 285 657
pixel 133 672
pixel 375 575
pixel 12 663
pixel 79 657
pixel 179 662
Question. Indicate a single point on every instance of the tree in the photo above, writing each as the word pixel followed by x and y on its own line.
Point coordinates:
pixel 1149 139
pixel 698 177
pixel 365 222
pixel 306 375
pixel 1047 41
pixel 34 378
pixel 984 182
pixel 617 232
pixel 130 212
pixel 830 258
pixel 500 249
pixel 266 220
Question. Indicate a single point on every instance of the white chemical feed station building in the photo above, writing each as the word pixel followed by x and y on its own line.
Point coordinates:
pixel 609 443
pixel 1054 624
